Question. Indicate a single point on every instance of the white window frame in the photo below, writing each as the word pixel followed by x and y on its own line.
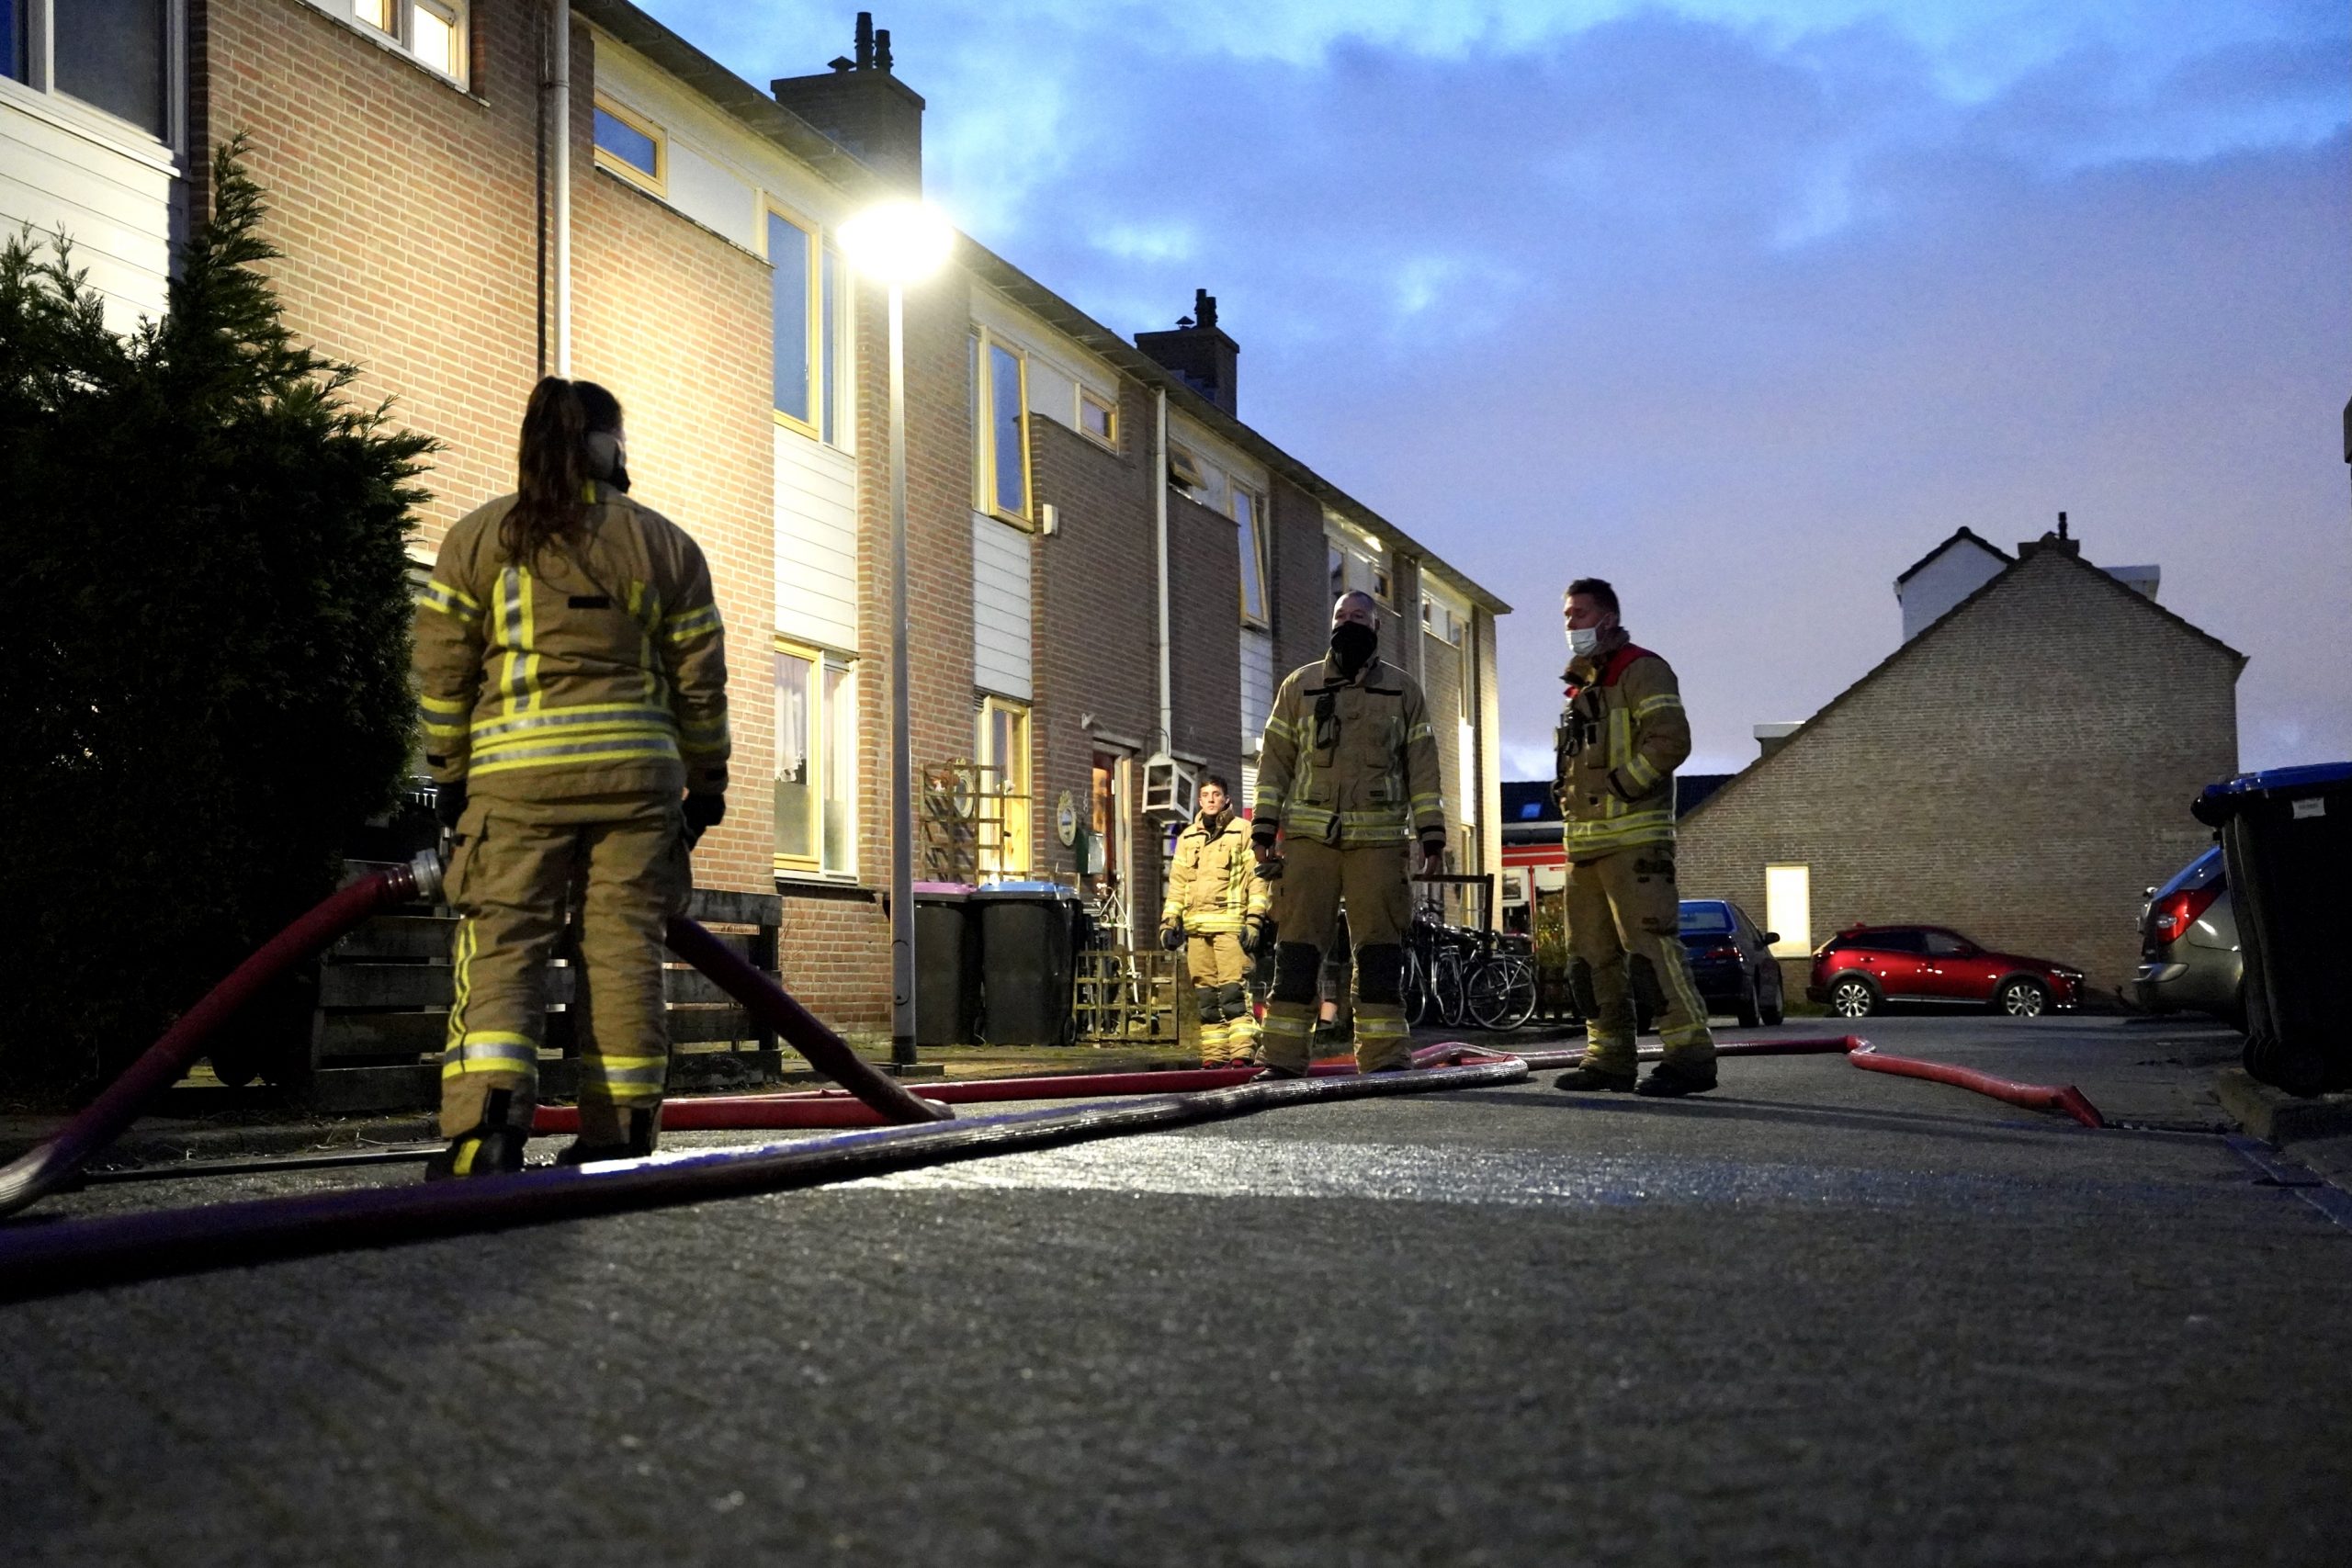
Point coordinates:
pixel 401 37
pixel 1252 541
pixel 812 238
pixel 38 87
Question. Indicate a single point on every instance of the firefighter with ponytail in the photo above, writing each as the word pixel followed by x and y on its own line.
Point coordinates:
pixel 573 677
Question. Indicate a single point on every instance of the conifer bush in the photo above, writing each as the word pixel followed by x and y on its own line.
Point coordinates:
pixel 206 648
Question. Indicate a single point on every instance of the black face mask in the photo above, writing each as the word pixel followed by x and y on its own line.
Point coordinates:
pixel 1352 644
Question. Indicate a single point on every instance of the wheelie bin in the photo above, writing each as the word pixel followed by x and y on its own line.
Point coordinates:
pixel 2287 840
pixel 947 964
pixel 1028 955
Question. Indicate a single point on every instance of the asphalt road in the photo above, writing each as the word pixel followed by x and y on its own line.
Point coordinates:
pixel 1821 1316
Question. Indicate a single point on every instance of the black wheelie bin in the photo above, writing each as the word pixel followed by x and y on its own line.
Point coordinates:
pixel 2287 839
pixel 1028 953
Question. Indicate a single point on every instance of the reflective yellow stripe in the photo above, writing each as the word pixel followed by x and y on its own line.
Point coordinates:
pixel 1640 771
pixel 1659 704
pixel 490 1052
pixel 501 730
pixel 618 750
pixel 431 703
pixel 454 602
pixel 690 624
pixel 461 959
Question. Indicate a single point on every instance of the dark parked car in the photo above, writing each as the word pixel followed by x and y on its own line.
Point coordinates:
pixel 1861 969
pixel 2189 959
pixel 1732 961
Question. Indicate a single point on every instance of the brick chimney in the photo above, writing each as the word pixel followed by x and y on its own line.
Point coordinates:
pixel 877 118
pixel 1197 351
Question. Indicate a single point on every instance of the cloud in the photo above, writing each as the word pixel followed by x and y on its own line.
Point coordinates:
pixel 1744 305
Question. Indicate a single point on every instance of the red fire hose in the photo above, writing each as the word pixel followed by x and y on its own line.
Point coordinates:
pixel 43 1168
pixel 2036 1096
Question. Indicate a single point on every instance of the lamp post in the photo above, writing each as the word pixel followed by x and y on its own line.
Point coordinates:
pixel 896 243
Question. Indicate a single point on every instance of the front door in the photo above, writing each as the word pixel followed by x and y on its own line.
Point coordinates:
pixel 1112 865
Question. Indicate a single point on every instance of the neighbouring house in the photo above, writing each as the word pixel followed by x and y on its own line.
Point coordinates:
pixel 674 235
pixel 2019 768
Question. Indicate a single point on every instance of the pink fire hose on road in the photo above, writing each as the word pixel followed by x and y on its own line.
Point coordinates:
pixel 2065 1098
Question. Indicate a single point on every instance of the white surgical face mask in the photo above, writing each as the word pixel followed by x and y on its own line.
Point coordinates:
pixel 1583 641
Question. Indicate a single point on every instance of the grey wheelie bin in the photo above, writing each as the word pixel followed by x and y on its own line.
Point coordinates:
pixel 1028 953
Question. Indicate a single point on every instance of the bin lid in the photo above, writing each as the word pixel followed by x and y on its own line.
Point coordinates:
pixel 2220 801
pixel 1030 889
pixel 939 889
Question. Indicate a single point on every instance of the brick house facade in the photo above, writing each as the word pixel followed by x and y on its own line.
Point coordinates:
pixel 2021 770
pixel 411 200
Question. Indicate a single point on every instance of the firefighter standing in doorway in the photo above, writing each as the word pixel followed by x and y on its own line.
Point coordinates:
pixel 574 676
pixel 1347 776
pixel 1621 738
pixel 1215 909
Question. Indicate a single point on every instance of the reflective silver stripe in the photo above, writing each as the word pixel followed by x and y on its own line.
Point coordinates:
pixel 619 749
pixel 690 623
pixel 489 1053
pixel 450 602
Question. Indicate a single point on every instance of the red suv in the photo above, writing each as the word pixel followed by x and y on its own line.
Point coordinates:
pixel 1861 969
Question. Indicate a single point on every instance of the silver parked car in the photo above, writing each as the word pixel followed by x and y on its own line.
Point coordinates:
pixel 2189 945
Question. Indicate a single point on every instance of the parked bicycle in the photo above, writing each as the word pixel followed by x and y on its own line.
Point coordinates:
pixel 1456 973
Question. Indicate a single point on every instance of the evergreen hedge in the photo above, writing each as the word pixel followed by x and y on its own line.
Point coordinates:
pixel 206 649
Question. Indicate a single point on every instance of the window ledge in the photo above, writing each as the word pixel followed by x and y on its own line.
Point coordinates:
pixel 813 885
pixel 392 46
pixel 92 125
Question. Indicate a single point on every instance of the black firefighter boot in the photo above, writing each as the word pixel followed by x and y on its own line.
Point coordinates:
pixel 493 1146
pixel 1588 1077
pixel 637 1146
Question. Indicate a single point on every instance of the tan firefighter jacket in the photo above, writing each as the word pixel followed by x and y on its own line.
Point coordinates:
pixel 1621 736
pixel 599 668
pixel 1212 884
pixel 1348 763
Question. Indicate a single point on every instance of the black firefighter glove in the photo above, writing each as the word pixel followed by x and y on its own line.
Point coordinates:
pixel 1254 936
pixel 450 803
pixel 1171 936
pixel 705 809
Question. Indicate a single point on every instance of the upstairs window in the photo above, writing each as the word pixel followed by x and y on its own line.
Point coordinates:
pixel 1248 510
pixel 1098 416
pixel 803 309
pixel 999 429
pixel 631 146
pixel 117 56
pixel 432 32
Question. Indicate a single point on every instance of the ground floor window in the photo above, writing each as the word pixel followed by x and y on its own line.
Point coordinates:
pixel 1004 811
pixel 816 761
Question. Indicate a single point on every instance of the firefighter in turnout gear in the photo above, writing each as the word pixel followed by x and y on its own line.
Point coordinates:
pixel 1215 897
pixel 573 678
pixel 1621 738
pixel 1347 776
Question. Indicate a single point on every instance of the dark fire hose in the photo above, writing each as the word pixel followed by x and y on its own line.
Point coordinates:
pixel 44 1169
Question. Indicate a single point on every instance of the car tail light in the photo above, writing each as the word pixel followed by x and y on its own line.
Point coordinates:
pixel 2175 912
pixel 1726 951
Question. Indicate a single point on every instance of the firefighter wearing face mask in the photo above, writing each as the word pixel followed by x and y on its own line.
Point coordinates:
pixel 1215 909
pixel 1621 738
pixel 573 678
pixel 1347 777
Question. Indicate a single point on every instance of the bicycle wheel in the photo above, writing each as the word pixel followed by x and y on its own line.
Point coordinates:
pixel 1445 988
pixel 1501 993
pixel 1411 990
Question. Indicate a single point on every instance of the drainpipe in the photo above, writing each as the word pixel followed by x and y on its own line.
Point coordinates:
pixel 558 109
pixel 1160 523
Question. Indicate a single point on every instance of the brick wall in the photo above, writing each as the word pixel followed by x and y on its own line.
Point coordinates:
pixel 1096 619
pixel 1301 572
pixel 2021 771
pixel 1204 622
pixel 407 211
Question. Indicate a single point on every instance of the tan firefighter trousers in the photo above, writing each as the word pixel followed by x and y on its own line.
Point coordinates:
pixel 1217 968
pixel 514 868
pixel 1316 877
pixel 1624 931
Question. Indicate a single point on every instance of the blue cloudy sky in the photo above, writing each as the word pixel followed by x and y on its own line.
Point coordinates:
pixel 1743 304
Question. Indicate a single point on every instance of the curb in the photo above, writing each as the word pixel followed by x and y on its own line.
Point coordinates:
pixel 2319 1131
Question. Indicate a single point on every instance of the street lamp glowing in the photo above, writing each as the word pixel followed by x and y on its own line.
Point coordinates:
pixel 899 242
